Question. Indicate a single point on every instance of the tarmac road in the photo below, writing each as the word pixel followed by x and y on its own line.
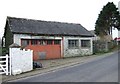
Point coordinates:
pixel 104 69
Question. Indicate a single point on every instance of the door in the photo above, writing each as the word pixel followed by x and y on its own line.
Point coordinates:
pixel 45 48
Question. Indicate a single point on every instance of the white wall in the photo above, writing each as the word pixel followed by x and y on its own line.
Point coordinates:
pixel 21 60
pixel 119 33
pixel 79 51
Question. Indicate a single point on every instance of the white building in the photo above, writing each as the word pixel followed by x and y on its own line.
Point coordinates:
pixel 48 40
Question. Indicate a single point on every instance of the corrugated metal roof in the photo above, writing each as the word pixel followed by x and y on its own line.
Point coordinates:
pixel 29 26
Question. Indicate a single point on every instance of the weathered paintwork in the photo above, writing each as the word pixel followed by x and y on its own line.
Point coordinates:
pixel 56 51
pixel 77 51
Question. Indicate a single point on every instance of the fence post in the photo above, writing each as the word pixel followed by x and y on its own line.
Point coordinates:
pixel 6 64
pixel 10 61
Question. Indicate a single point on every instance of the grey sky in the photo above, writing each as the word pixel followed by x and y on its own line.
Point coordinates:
pixel 84 12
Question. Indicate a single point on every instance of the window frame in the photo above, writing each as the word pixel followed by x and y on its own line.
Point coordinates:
pixel 42 42
pixel 85 43
pixel 57 42
pixel 73 43
pixel 25 42
pixel 34 42
pixel 49 42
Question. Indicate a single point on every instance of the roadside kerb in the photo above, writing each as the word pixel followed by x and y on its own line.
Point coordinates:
pixel 48 69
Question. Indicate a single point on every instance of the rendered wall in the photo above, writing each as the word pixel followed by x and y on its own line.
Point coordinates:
pixel 18 37
pixel 65 51
pixel 21 60
pixel 119 33
pixel 79 51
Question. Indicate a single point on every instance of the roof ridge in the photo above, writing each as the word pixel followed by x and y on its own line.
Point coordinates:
pixel 24 25
pixel 42 20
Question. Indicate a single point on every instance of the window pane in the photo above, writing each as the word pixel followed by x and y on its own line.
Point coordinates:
pixel 57 42
pixel 85 43
pixel 49 42
pixel 42 42
pixel 76 43
pixel 25 42
pixel 73 43
pixel 33 42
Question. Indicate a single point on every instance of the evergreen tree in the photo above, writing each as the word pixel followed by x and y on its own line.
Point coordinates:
pixel 107 20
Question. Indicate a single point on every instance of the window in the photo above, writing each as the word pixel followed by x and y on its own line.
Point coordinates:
pixel 85 43
pixel 33 42
pixel 25 42
pixel 42 42
pixel 57 42
pixel 73 43
pixel 49 42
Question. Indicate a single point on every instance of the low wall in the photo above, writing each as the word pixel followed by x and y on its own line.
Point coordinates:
pixel 77 52
pixel 21 59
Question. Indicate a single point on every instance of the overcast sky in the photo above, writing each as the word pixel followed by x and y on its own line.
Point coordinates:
pixel 84 12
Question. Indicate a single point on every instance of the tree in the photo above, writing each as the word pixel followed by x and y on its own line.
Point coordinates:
pixel 107 20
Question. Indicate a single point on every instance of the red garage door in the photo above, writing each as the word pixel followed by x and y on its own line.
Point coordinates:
pixel 43 49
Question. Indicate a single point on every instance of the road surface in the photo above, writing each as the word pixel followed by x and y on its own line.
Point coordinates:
pixel 104 69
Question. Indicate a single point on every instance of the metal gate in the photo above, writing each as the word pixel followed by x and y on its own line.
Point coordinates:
pixel 4 65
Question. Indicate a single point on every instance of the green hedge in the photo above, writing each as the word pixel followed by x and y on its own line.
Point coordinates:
pixel 102 46
pixel 3 51
pixel 0 50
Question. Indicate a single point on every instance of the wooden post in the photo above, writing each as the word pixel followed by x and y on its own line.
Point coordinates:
pixel 6 64
pixel 91 45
